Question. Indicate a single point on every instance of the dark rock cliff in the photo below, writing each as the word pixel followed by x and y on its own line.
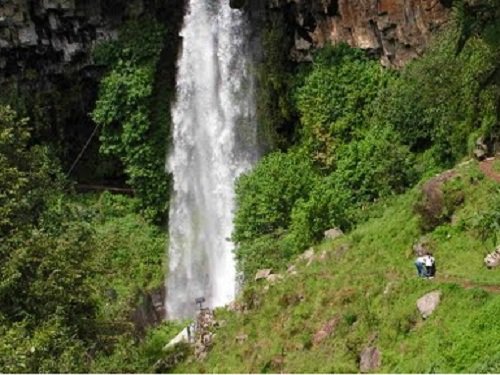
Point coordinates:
pixel 394 30
pixel 46 63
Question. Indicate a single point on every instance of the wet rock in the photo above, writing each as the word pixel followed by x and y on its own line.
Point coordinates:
pixel 493 259
pixel 369 359
pixel 428 303
pixel 263 274
pixel 334 233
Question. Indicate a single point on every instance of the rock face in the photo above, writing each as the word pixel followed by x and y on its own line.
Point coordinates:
pixel 428 303
pixel 392 29
pixel 46 58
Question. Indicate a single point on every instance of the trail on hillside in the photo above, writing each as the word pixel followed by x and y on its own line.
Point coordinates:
pixel 469 284
pixel 487 167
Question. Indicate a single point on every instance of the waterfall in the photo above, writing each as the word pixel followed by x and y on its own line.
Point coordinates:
pixel 214 141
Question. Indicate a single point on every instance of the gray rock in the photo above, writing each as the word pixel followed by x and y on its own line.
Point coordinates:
pixel 307 255
pixel 493 259
pixel 369 359
pixel 28 35
pixel 334 233
pixel 263 274
pixel 428 303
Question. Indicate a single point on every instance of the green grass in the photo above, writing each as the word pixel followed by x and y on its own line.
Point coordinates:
pixel 372 289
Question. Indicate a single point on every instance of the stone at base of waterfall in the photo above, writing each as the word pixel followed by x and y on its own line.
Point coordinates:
pixel 492 260
pixel 369 359
pixel 428 303
pixel 204 335
pixel 263 274
pixel 334 233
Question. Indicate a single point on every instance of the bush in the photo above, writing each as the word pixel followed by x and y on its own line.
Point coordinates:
pixel 437 101
pixel 265 196
pixel 336 99
pixel 124 111
pixel 367 170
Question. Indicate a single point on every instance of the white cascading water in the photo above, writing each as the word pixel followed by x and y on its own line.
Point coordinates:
pixel 214 141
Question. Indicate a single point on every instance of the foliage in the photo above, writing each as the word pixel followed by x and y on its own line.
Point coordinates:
pixel 370 292
pixel 336 99
pixel 124 107
pixel 27 174
pixel 266 196
pixel 437 103
pixel 147 356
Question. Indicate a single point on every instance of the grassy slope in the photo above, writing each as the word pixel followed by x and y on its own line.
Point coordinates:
pixel 372 289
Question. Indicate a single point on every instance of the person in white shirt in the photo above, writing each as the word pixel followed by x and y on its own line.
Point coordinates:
pixel 430 265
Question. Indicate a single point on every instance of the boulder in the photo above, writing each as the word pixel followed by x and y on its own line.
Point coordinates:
pixel 275 277
pixel 308 255
pixel 263 274
pixel 369 359
pixel 493 259
pixel 325 331
pixel 428 303
pixel 481 150
pixel 334 233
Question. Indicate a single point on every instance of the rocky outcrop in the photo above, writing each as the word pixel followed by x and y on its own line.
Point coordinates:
pixel 332 234
pixel 492 260
pixel 369 359
pixel 392 29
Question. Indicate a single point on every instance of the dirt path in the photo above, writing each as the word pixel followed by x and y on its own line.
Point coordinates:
pixel 487 167
pixel 468 284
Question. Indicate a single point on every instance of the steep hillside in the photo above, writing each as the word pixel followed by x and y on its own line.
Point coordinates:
pixel 358 294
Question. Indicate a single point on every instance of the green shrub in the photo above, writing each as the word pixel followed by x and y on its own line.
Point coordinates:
pixel 265 196
pixel 367 170
pixel 437 101
pixel 336 99
pixel 124 111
